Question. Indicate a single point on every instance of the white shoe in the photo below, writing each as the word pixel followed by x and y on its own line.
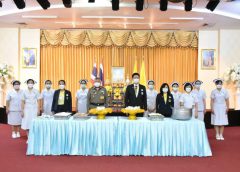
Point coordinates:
pixel 218 137
pixel 221 137
pixel 18 135
pixel 14 136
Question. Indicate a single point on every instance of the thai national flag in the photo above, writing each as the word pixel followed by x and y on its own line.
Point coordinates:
pixel 101 75
pixel 94 73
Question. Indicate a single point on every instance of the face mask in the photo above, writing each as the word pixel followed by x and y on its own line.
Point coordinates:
pixel 30 85
pixel 188 90
pixel 16 87
pixel 175 88
pixel 83 86
pixel 48 86
pixel 197 86
pixel 219 86
pixel 97 84
pixel 165 90
pixel 151 87
pixel 61 87
pixel 135 80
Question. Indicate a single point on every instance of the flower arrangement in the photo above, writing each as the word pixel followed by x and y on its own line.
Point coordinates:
pixel 232 73
pixel 5 72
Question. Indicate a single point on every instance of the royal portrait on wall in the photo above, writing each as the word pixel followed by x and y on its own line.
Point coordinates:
pixel 29 57
pixel 118 75
pixel 208 60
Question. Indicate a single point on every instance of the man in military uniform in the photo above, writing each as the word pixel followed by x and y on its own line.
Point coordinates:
pixel 97 95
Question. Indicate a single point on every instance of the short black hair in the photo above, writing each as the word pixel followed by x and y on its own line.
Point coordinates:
pixel 48 81
pixel 16 82
pixel 61 81
pixel 163 86
pixel 151 82
pixel 175 84
pixel 187 85
pixel 218 82
pixel 135 74
pixel 30 80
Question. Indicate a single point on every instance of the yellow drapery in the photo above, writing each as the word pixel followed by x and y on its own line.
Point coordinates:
pixel 72 63
pixel 120 38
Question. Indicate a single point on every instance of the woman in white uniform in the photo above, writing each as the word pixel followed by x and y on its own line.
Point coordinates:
pixel 189 100
pixel 14 109
pixel 176 94
pixel 47 98
pixel 219 107
pixel 201 96
pixel 81 97
pixel 151 98
pixel 30 105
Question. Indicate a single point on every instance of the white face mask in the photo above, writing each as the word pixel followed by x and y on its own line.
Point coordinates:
pixel 61 87
pixel 151 87
pixel 16 87
pixel 83 86
pixel 219 86
pixel 165 90
pixel 188 90
pixel 175 88
pixel 30 85
pixel 136 80
pixel 197 86
pixel 48 86
pixel 97 84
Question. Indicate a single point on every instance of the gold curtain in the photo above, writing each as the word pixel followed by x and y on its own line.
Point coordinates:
pixel 120 38
pixel 72 63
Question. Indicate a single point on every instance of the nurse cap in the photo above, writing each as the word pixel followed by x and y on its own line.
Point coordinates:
pixel 151 81
pixel 194 83
pixel 30 80
pixel 15 81
pixel 174 83
pixel 217 80
pixel 83 81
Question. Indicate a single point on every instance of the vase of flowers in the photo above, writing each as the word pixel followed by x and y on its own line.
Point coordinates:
pixel 5 73
pixel 232 74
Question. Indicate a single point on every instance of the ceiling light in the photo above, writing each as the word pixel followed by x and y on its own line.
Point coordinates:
pixel 113 17
pixel 188 5
pixel 45 4
pixel 115 5
pixel 20 4
pixel 139 5
pixel 40 17
pixel 91 1
pixel 212 4
pixel 67 3
pixel 163 5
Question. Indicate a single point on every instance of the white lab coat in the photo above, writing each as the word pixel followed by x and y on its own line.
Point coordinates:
pixel 189 101
pixel 82 100
pixel 201 95
pixel 47 97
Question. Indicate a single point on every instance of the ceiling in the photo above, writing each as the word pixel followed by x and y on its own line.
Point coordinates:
pixel 225 16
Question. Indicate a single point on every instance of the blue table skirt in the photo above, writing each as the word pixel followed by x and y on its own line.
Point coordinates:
pixel 118 136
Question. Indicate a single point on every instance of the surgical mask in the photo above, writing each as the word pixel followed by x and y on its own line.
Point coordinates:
pixel 61 87
pixel 97 84
pixel 165 90
pixel 188 90
pixel 219 86
pixel 135 80
pixel 30 85
pixel 83 86
pixel 151 87
pixel 197 86
pixel 175 88
pixel 16 87
pixel 48 86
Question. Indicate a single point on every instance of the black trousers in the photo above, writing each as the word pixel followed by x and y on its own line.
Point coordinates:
pixel 61 108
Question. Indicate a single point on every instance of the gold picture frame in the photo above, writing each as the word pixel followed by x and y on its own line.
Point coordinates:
pixel 29 57
pixel 208 59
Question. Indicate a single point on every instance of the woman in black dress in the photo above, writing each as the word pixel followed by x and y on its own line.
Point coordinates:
pixel 165 101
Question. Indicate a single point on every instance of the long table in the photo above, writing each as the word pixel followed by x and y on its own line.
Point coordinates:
pixel 118 136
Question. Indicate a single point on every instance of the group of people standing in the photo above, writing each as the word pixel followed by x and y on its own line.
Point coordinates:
pixel 25 105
